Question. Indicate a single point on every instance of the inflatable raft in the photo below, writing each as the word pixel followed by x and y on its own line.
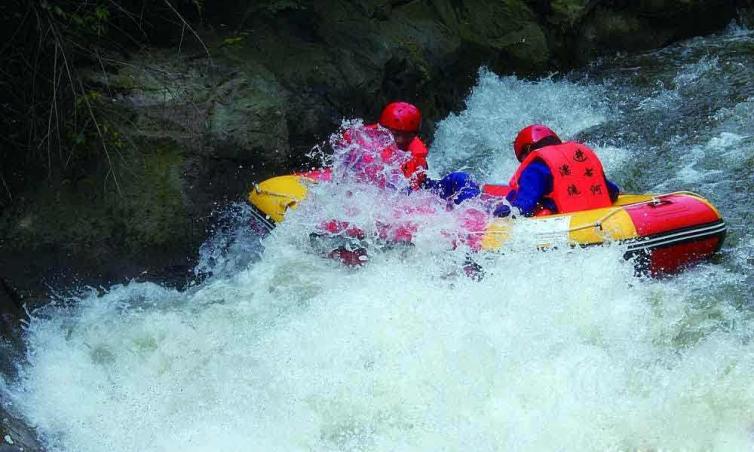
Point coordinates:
pixel 664 233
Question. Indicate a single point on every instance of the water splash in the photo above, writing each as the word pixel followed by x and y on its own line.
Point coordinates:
pixel 235 242
pixel 480 138
pixel 298 352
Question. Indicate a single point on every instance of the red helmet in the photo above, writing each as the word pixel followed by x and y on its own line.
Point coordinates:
pixel 401 116
pixel 528 138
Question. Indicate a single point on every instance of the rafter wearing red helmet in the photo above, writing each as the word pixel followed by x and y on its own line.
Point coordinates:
pixel 557 177
pixel 374 163
pixel 403 120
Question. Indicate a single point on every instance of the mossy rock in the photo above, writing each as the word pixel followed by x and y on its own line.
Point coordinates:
pixel 150 208
pixel 135 205
pixel 568 13
pixel 505 35
pixel 248 116
pixel 646 24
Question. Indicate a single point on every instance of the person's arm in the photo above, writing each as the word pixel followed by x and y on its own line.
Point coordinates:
pixel 612 189
pixel 534 183
pixel 457 186
pixel 416 168
pixel 417 173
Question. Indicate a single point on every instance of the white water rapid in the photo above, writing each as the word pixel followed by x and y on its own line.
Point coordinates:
pixel 282 349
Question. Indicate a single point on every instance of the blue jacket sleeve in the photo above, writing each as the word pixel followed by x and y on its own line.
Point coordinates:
pixel 533 184
pixel 612 189
pixel 457 186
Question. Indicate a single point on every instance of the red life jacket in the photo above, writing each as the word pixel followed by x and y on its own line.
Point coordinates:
pixel 415 169
pixel 578 178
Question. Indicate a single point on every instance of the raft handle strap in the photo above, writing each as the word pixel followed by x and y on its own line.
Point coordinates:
pixel 272 193
pixel 598 224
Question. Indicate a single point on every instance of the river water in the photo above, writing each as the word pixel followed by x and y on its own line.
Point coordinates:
pixel 279 349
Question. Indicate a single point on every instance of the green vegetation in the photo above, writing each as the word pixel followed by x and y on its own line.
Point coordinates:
pixel 53 120
pixel 76 177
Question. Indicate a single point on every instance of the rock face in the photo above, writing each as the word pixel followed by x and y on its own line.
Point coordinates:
pixel 610 26
pixel 184 129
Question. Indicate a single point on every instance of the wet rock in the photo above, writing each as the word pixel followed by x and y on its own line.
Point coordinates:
pixel 611 26
pixel 15 435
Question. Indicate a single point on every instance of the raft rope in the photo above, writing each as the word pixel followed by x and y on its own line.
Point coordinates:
pixel 656 200
pixel 271 193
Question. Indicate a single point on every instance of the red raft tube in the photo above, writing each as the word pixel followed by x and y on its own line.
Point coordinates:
pixel 675 231
pixel 664 233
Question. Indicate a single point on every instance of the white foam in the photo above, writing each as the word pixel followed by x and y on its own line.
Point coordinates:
pixel 550 348
pixel 481 136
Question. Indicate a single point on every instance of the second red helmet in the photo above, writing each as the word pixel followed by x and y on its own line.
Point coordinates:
pixel 401 116
pixel 529 136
